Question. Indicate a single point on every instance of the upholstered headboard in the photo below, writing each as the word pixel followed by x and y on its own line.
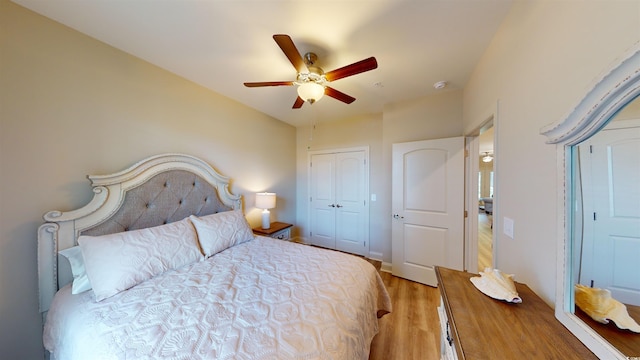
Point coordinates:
pixel 155 191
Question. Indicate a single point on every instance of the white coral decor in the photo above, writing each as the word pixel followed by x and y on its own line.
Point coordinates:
pixel 599 304
pixel 496 284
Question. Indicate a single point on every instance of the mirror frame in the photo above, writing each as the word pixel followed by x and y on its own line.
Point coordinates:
pixel 610 93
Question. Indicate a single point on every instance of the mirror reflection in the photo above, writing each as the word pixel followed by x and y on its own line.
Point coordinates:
pixel 606 223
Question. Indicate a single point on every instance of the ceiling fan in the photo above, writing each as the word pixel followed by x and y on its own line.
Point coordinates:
pixel 311 80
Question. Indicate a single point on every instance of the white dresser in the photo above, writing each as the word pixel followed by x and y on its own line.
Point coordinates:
pixel 475 326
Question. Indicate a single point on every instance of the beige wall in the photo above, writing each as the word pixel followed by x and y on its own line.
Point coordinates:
pixel 347 133
pixel 485 177
pixel 543 59
pixel 436 116
pixel 72 106
pixel 631 111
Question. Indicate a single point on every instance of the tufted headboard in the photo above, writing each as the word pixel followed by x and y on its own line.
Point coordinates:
pixel 155 191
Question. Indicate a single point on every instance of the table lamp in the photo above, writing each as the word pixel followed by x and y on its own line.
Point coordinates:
pixel 266 201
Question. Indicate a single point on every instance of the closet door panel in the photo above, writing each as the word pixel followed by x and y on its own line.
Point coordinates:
pixel 338 206
pixel 350 202
pixel 323 210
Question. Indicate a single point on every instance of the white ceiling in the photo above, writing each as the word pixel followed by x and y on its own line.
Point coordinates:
pixel 220 44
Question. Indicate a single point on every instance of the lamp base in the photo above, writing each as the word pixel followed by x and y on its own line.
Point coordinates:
pixel 266 220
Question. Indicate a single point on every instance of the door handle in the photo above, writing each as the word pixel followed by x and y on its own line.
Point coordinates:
pixel 339 205
pixel 331 205
pixel 397 216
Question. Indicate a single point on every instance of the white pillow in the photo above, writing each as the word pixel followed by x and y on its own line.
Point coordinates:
pixel 81 281
pixel 117 262
pixel 217 232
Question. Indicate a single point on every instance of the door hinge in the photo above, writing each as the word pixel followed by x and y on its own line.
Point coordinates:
pixel 591 149
pixel 466 214
pixel 466 153
pixel 594 217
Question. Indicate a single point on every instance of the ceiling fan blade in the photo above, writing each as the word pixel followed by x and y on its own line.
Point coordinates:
pixel 298 104
pixel 355 68
pixel 329 91
pixel 292 53
pixel 268 83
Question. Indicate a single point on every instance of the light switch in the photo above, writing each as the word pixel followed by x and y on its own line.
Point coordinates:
pixel 507 227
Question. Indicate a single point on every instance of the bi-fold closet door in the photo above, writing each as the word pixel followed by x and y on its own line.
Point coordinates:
pixel 339 210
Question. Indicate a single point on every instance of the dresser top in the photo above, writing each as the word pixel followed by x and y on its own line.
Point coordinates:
pixel 486 328
pixel 275 227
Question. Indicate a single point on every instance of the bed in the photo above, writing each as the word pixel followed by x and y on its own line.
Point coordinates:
pixel 162 264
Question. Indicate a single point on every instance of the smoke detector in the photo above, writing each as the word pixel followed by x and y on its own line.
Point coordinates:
pixel 440 85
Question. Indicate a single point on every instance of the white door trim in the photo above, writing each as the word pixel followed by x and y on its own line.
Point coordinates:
pixel 472 168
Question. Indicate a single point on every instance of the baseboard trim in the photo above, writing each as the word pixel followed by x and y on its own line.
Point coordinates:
pixel 386 267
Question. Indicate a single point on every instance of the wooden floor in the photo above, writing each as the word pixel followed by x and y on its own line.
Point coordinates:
pixel 485 241
pixel 412 330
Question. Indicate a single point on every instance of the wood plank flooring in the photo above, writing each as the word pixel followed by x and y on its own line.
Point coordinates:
pixel 412 330
pixel 485 241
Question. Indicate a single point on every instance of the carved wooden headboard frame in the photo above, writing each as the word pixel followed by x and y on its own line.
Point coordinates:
pixel 162 189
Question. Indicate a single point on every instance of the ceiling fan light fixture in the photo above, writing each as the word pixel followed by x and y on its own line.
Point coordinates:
pixel 311 79
pixel 487 158
pixel 310 91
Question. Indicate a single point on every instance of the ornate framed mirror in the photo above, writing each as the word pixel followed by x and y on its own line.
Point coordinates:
pixel 610 94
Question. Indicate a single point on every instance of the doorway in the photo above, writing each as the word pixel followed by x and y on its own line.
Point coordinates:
pixel 485 198
pixel 481 191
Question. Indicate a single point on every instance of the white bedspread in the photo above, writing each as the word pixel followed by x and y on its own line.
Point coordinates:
pixel 264 299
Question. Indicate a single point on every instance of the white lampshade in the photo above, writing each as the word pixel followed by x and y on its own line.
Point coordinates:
pixel 265 200
pixel 310 92
pixel 487 158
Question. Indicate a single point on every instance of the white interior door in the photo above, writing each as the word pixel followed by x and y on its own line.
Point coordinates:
pixel 339 212
pixel 428 208
pixel 351 204
pixel 323 209
pixel 611 184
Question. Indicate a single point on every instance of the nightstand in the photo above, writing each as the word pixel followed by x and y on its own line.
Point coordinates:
pixel 278 230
